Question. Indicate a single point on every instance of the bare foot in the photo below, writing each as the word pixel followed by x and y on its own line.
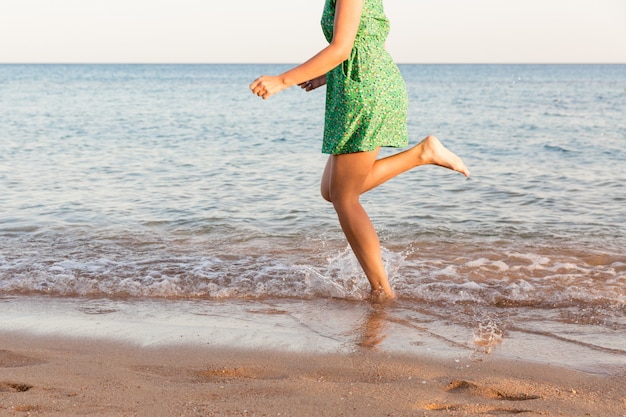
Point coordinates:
pixel 433 152
pixel 380 296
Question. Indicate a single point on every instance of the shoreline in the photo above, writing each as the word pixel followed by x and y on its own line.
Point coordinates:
pixel 451 333
pixel 76 357
pixel 74 376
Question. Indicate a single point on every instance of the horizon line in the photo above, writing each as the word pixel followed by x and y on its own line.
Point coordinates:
pixel 296 63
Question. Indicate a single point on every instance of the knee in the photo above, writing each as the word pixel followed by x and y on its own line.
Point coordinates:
pixel 343 202
pixel 337 198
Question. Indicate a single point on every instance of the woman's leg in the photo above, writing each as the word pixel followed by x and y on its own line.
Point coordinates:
pixel 346 175
pixel 428 152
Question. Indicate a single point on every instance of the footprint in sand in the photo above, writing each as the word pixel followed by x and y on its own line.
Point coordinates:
pixel 471 389
pixel 14 387
pixel 466 387
pixel 9 359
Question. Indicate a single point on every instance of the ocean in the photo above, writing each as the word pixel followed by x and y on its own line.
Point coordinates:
pixel 130 185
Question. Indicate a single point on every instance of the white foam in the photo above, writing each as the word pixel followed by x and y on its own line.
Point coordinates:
pixel 440 273
pixel 485 264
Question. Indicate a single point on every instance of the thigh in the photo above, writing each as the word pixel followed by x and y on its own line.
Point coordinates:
pixel 346 173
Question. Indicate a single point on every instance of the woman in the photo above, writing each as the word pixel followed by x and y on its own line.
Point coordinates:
pixel 366 108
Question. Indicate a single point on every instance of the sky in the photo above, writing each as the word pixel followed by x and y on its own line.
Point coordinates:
pixel 288 31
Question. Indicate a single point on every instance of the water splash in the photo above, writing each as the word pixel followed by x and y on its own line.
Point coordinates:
pixel 487 336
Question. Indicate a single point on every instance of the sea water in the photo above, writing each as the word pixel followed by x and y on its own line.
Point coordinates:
pixel 173 182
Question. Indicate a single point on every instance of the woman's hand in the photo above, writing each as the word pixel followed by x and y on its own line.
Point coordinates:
pixel 267 85
pixel 347 21
pixel 314 83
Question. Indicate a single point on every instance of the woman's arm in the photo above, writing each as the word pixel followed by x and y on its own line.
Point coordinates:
pixel 347 19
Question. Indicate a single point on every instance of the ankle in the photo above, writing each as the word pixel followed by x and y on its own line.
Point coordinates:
pixel 381 297
pixel 420 154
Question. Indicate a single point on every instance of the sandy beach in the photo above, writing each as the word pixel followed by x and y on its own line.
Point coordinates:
pixel 70 376
pixel 63 374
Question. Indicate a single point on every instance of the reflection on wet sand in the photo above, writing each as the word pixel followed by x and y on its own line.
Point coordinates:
pixel 371 331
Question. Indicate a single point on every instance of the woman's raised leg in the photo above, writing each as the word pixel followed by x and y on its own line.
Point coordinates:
pixel 429 151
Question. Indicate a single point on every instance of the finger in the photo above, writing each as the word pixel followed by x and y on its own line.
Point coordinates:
pixel 255 83
pixel 259 89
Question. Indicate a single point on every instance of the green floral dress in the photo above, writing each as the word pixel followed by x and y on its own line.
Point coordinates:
pixel 366 100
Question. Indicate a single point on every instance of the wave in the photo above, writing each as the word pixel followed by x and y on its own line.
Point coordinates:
pixel 497 273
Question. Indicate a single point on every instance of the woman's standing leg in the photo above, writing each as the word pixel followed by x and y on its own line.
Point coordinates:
pixel 346 175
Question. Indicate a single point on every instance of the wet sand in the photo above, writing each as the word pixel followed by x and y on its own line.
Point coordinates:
pixel 81 357
pixel 63 376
